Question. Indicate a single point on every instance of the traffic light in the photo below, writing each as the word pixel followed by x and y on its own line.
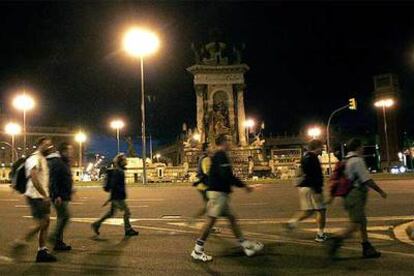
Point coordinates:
pixel 352 104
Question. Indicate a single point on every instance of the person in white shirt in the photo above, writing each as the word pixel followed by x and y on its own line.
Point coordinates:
pixel 37 195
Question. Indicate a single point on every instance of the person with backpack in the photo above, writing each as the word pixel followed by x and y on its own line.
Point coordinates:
pixel 115 185
pixel 61 189
pixel 220 182
pixel 37 195
pixel 203 168
pixel 310 188
pixel 355 200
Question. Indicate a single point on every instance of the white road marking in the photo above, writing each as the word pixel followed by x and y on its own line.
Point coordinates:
pixel 21 206
pixel 254 204
pixel 139 206
pixel 284 220
pixel 6 259
pixel 9 199
pixel 146 199
pixel 401 235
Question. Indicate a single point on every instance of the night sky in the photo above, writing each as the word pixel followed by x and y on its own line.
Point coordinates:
pixel 306 60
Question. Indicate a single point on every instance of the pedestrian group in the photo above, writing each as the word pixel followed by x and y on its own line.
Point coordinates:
pixel 45 179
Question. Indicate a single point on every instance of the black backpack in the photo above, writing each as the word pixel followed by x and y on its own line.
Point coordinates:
pixel 107 184
pixel 18 175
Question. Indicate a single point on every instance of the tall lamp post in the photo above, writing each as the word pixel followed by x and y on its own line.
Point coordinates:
pixel 140 43
pixel 384 104
pixel 352 105
pixel 24 103
pixel 80 137
pixel 13 129
pixel 117 125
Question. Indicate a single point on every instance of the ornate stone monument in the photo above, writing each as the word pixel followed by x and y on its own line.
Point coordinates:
pixel 220 86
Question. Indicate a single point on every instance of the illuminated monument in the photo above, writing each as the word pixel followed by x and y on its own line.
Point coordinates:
pixel 219 85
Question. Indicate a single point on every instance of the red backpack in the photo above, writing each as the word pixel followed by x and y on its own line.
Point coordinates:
pixel 339 184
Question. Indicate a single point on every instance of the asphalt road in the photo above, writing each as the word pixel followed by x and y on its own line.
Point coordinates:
pixel 165 240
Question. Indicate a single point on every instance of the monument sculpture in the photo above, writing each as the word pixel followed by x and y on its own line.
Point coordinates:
pixel 219 86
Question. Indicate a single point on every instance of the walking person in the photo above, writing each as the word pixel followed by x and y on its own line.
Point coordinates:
pixel 116 187
pixel 310 189
pixel 37 195
pixel 356 200
pixel 220 182
pixel 203 168
pixel 61 189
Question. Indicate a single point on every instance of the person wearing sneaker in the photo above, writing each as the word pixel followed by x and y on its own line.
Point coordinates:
pixel 116 182
pixel 355 202
pixel 221 180
pixel 37 195
pixel 61 189
pixel 310 187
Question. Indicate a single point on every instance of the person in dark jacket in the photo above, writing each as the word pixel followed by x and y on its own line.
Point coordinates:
pixel 310 189
pixel 220 182
pixel 116 182
pixel 60 191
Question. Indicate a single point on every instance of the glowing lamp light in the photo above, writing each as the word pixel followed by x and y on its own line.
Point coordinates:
pixel 139 42
pixel 314 132
pixel 158 156
pixel 249 123
pixel 197 137
pixel 80 137
pixel 117 124
pixel 384 103
pixel 13 129
pixel 23 102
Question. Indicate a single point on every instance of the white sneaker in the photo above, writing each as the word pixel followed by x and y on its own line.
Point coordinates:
pixel 201 256
pixel 250 248
pixel 321 237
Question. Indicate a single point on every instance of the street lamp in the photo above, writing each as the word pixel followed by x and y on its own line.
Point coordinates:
pixel 13 129
pixel 384 104
pixel 248 125
pixel 117 125
pixel 140 43
pixel 158 156
pixel 80 137
pixel 314 132
pixel 24 103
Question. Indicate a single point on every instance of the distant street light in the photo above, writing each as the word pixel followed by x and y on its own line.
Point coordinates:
pixel 80 137
pixel 117 125
pixel 158 156
pixel 24 103
pixel 140 43
pixel 314 132
pixel 248 125
pixel 13 129
pixel 384 104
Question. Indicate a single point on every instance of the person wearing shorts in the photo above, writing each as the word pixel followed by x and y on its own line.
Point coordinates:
pixel 310 188
pixel 220 182
pixel 356 200
pixel 37 196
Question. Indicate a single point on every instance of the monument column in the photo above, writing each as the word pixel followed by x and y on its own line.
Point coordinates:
pixel 241 117
pixel 200 110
